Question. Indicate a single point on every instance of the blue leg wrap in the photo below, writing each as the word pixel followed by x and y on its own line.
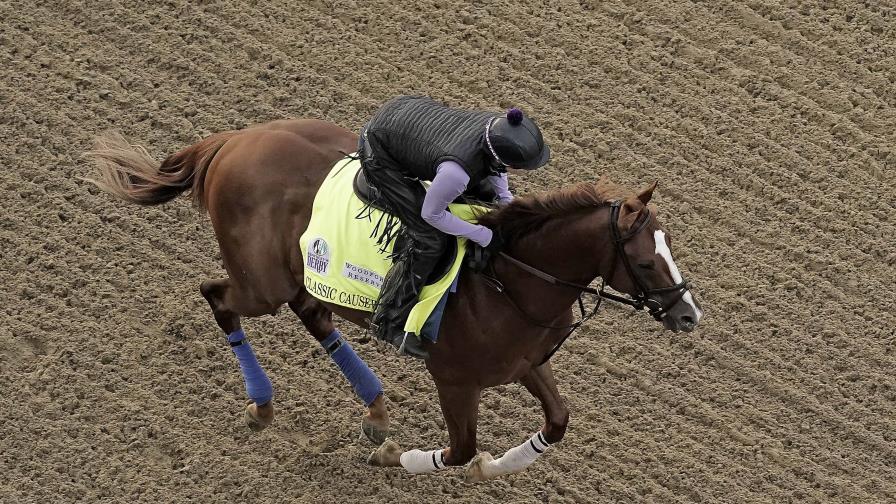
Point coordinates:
pixel 367 386
pixel 258 385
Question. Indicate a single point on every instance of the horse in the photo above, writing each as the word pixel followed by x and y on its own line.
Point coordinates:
pixel 501 326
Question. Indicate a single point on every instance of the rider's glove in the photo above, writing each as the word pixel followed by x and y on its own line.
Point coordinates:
pixel 478 257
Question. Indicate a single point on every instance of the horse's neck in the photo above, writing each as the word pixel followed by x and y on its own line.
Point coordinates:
pixel 571 248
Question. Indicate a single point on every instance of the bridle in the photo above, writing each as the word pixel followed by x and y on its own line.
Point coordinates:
pixel 639 301
pixel 642 299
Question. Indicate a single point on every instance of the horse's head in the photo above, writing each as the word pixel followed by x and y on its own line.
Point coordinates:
pixel 561 232
pixel 642 264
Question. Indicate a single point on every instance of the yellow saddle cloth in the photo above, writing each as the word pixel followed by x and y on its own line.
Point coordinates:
pixel 343 263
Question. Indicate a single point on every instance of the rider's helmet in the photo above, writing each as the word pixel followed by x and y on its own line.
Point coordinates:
pixel 515 141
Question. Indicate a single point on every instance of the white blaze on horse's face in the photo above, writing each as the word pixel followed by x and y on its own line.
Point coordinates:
pixel 662 249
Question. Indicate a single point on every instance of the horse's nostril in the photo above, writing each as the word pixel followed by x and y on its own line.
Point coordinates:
pixel 687 320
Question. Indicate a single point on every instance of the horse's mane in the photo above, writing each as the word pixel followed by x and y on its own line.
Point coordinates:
pixel 526 214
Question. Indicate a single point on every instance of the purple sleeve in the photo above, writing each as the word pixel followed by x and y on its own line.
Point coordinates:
pixel 449 182
pixel 502 188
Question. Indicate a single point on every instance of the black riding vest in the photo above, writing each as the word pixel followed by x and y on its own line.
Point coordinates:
pixel 415 133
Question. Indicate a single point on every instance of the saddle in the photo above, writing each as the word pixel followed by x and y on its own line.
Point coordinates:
pixel 365 192
pixel 368 194
pixel 344 265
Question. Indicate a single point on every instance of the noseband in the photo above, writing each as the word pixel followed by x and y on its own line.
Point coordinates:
pixel 639 301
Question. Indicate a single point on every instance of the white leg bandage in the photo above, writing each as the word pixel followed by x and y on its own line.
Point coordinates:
pixel 518 458
pixel 419 462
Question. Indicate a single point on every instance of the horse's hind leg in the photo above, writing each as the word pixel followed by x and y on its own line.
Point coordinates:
pixel 223 297
pixel 540 382
pixel 318 319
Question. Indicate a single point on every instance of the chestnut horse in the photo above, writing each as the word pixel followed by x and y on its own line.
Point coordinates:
pixel 258 186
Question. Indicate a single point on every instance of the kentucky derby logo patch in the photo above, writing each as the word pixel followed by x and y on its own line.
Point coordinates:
pixel 318 256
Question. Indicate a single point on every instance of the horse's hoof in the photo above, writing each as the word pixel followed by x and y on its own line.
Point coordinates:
pixel 477 470
pixel 375 432
pixel 259 417
pixel 387 455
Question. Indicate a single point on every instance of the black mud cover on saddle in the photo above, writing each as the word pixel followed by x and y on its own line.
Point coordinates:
pixel 483 193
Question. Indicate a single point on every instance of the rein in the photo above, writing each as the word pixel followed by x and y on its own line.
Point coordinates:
pixel 640 301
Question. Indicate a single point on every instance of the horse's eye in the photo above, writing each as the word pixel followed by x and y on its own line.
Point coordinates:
pixel 646 265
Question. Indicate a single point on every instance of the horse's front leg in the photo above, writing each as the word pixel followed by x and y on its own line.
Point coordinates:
pixel 460 407
pixel 540 382
pixel 318 319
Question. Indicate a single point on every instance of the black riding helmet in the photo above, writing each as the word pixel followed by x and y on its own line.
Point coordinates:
pixel 514 140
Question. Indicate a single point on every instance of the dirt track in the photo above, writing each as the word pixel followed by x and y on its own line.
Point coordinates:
pixel 770 129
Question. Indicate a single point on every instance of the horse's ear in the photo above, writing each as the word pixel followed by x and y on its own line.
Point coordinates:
pixel 630 206
pixel 637 203
pixel 630 211
pixel 647 192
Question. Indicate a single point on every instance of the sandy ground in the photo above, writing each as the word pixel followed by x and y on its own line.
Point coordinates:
pixel 770 128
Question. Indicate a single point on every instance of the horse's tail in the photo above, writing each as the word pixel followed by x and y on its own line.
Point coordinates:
pixel 128 172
